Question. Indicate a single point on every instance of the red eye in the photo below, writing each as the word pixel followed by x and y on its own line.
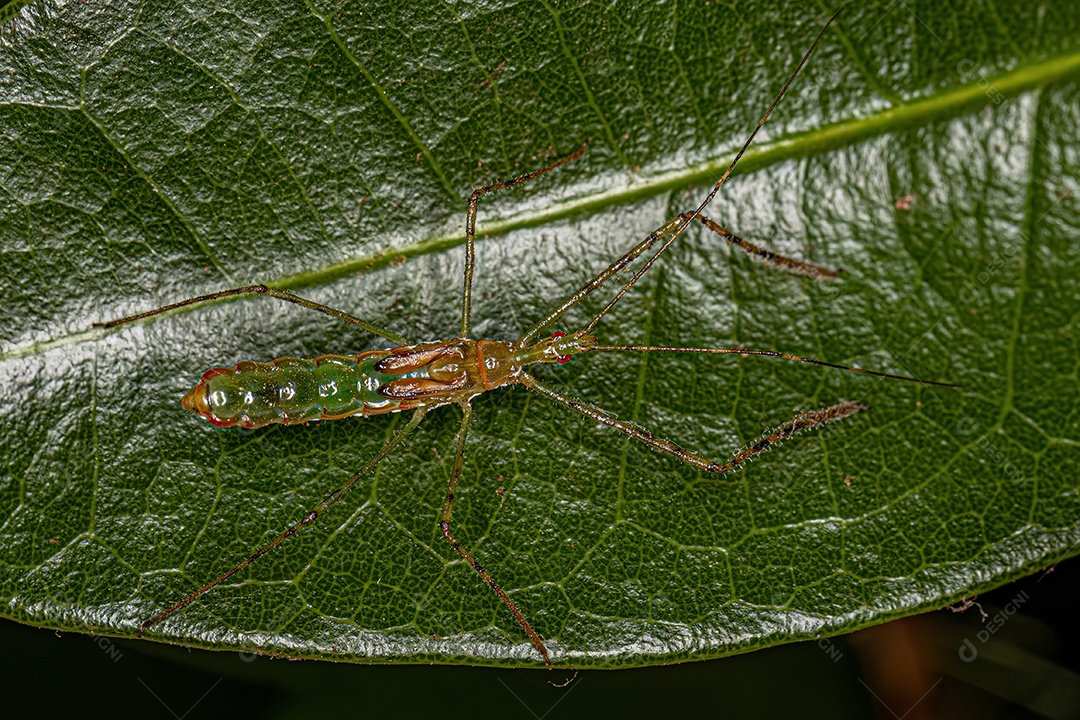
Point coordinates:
pixel 562 359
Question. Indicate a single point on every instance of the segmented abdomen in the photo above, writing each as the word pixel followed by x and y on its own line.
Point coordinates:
pixel 293 390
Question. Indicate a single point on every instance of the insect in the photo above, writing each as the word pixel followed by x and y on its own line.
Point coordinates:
pixel 419 377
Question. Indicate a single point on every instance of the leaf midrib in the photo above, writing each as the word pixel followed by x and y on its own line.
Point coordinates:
pixel 916 113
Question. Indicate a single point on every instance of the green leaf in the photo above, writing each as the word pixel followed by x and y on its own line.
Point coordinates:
pixel 150 153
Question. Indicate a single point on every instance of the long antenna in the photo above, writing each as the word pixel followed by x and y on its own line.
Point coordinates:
pixel 691 217
pixel 767 353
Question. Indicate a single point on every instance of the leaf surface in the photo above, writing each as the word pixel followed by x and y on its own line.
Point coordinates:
pixel 149 153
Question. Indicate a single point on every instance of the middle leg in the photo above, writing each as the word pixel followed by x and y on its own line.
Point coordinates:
pixel 470 228
pixel 444 525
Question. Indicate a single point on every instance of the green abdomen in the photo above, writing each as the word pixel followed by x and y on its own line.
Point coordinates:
pixel 292 390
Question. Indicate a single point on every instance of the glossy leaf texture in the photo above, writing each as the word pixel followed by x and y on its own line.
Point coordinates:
pixel 149 153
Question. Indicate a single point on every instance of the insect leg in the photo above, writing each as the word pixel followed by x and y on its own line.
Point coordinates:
pixel 268 292
pixel 715 188
pixel 798 267
pixel 675 228
pixel 308 519
pixel 802 421
pixel 803 268
pixel 605 275
pixel 470 228
pixel 444 524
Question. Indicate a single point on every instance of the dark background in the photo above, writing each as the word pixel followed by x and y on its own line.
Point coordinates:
pixel 1026 663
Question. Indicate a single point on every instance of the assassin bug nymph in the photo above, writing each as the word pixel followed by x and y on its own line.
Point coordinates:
pixel 420 377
